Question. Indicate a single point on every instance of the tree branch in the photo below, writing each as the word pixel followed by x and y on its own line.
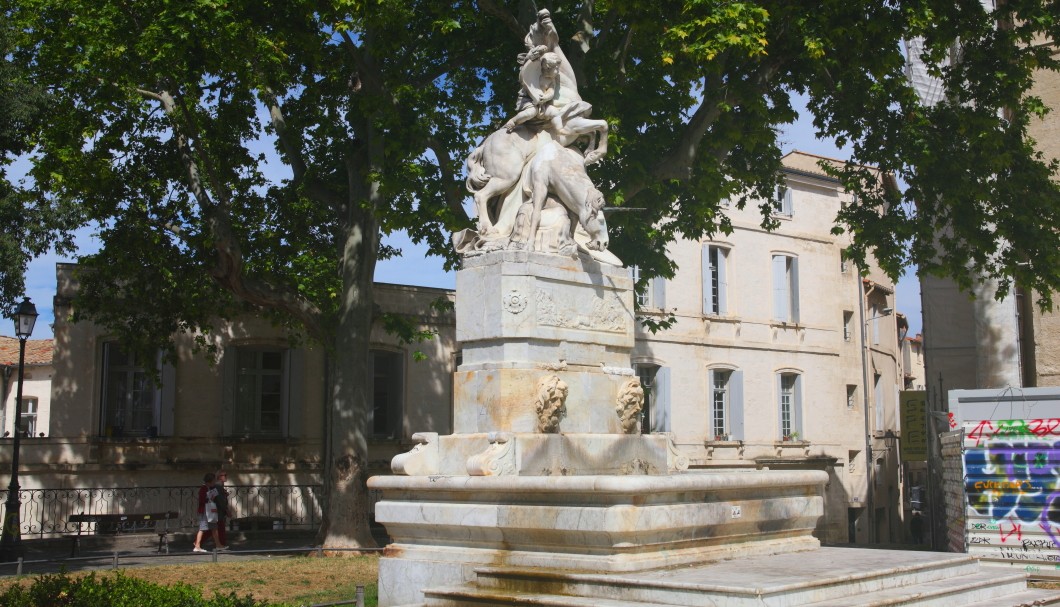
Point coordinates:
pixel 283 133
pixel 290 139
pixel 228 266
pixel 366 70
pixel 582 39
pixel 453 194
pixel 679 162
pixel 508 19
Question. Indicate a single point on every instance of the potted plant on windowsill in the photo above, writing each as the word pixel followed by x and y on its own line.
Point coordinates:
pixel 793 437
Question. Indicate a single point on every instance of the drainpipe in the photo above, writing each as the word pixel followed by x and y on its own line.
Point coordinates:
pixel 5 386
pixel 870 465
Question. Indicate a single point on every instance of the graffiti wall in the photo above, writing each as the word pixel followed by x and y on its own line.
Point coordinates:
pixel 956 510
pixel 1012 492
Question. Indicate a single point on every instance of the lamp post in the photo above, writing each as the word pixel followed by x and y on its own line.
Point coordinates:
pixel 25 317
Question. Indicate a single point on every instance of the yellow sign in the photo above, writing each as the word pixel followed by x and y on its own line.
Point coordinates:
pixel 914 425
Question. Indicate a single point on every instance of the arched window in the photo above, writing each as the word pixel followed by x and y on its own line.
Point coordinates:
pixel 789 404
pixel 726 404
pixel 785 288
pixel 715 279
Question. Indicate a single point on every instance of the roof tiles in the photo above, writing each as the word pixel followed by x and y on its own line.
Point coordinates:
pixel 38 351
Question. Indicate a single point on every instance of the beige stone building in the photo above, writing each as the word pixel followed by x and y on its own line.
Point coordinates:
pixel 914 374
pixel 1040 332
pixel 257 409
pixel 983 343
pixel 782 356
pixel 36 386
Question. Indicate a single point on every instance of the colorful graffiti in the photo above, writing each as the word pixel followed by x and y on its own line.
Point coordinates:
pixel 1011 478
pixel 987 430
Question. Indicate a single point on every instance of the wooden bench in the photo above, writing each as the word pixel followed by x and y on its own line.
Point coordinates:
pixel 121 523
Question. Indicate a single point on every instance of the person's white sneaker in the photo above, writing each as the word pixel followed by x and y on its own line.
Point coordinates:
pixel 197 549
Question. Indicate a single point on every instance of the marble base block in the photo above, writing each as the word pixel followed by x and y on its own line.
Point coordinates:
pixel 443 527
pixel 506 400
pixel 505 454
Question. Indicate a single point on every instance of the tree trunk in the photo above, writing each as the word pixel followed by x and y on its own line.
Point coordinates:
pixel 345 523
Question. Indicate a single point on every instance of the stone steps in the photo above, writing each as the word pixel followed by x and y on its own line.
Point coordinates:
pixel 1027 598
pixel 464 596
pixel 828 577
pixel 989 588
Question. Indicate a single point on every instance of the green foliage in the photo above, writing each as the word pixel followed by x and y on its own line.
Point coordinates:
pixel 246 156
pixel 375 105
pixel 29 228
pixel 61 590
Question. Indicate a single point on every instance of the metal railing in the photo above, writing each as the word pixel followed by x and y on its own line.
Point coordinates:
pixel 46 512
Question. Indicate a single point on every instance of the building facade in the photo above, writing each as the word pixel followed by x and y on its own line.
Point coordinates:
pixel 984 343
pixel 782 356
pixel 256 410
pixel 36 387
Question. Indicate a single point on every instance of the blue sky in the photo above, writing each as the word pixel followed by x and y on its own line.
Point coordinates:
pixel 415 267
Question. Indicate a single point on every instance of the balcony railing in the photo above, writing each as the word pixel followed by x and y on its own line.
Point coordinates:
pixel 45 512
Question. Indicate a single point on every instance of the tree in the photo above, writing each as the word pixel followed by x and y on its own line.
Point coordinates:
pixel 29 230
pixel 168 119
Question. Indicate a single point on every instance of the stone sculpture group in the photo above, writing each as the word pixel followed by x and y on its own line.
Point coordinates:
pixel 528 178
pixel 547 472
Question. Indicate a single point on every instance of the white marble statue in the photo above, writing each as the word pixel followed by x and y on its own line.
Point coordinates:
pixel 531 163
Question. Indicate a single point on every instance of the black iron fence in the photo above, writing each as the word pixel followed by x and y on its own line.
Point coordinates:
pixel 46 512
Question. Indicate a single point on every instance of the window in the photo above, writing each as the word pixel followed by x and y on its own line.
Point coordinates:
pixel 848 325
pixel 789 392
pixel 655 380
pixel 388 382
pixel 715 283
pixel 719 406
pixel 130 398
pixel 643 296
pixel 786 288
pixel 875 314
pixel 852 396
pixel 260 392
pixel 28 423
pixel 783 202
pixel 652 295
pixel 878 393
pixel 726 404
pixel 844 265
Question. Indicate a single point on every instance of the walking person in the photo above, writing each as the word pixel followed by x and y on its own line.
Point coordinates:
pixel 916 527
pixel 222 507
pixel 207 513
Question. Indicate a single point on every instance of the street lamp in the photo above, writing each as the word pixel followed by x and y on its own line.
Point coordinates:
pixel 25 317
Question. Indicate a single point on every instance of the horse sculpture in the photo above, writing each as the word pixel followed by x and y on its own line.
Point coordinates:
pixel 496 165
pixel 560 171
pixel 533 165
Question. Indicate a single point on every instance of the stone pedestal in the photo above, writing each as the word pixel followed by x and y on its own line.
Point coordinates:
pixel 544 472
pixel 521 316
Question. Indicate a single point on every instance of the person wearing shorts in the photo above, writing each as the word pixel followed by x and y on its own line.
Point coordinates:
pixel 207 493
